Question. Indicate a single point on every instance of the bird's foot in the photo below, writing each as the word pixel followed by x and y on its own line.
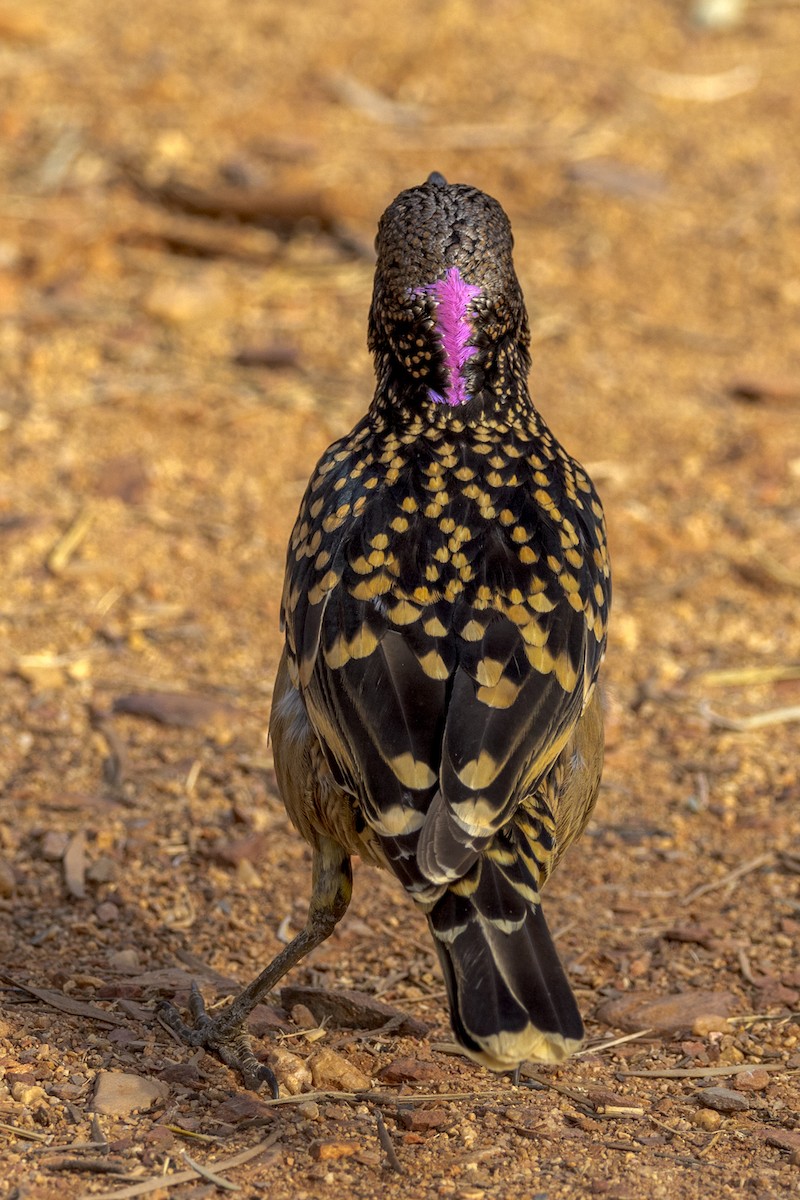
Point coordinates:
pixel 230 1042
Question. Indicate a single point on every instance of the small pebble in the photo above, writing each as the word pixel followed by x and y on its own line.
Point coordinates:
pixel 29 1094
pixel 290 1071
pixel 665 1014
pixel 124 960
pixel 708 1119
pixel 710 1023
pixel 328 1151
pixel 331 1070
pixel 420 1120
pixel 119 1093
pixel 303 1017
pixel 754 1080
pixel 411 1070
pixel 54 843
pixel 185 301
pixel 102 870
pixel 723 1099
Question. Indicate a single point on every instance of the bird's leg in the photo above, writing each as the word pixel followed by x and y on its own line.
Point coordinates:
pixel 225 1034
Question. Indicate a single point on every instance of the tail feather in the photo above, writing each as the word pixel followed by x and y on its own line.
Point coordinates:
pixel 510 999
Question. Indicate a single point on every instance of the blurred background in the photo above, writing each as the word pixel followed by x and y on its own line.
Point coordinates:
pixel 188 201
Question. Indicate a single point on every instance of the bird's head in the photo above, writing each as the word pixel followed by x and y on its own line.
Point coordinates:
pixel 447 317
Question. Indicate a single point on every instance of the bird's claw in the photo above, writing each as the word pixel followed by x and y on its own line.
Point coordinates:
pixel 214 1034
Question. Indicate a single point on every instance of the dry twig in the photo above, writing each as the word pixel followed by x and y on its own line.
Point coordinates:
pixel 627 1037
pixel 67 544
pixel 747 676
pixel 93 1166
pixel 211 1176
pixel 701 1072
pixel 155 1182
pixel 773 716
pixel 27 1134
pixel 386 1143
pixel 745 868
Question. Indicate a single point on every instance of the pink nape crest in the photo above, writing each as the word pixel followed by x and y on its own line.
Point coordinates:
pixel 453 296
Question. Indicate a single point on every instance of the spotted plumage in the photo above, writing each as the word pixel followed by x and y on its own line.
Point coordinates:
pixel 445 607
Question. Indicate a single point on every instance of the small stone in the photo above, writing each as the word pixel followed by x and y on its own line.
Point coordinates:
pixel 303 1017
pixel 784 1139
pixel 754 1080
pixel 183 1074
pixel 331 1070
pixel 107 912
pixel 772 991
pixel 708 1119
pixel 664 1014
pixel 119 1093
pixel 29 1094
pixel 723 1099
pixel 54 845
pixel 251 847
pixel 125 477
pixel 710 1023
pixel 102 870
pixel 121 1144
pixel 411 1070
pixel 730 1056
pixel 264 1020
pixel 351 1010
pixel 183 302
pixel 75 864
pixel 422 1120
pixel 125 961
pixel 696 1050
pixel 328 1151
pixel 242 1107
pixel 290 1071
pixel 309 1109
pixel 159 1137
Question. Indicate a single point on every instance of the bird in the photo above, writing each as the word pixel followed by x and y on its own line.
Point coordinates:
pixel 437 709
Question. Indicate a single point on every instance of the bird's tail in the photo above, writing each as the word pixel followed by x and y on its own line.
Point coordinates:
pixel 509 996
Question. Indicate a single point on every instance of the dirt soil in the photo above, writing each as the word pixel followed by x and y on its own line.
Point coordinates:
pixel 189 198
